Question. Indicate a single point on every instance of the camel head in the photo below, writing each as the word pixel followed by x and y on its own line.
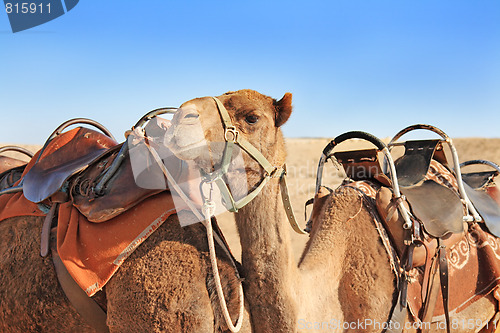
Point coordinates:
pixel 197 131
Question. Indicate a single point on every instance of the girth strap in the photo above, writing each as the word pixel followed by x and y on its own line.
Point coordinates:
pixel 46 227
pixel 443 276
pixel 398 316
pixel 432 292
pixel 90 311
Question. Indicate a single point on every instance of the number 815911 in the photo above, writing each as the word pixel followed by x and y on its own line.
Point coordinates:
pixel 27 8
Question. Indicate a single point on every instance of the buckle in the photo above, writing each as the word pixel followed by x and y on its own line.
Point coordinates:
pixel 277 173
pixel 233 131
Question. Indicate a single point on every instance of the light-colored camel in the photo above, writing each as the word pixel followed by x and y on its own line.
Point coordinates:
pixel 343 277
pixel 343 282
pixel 344 274
pixel 166 285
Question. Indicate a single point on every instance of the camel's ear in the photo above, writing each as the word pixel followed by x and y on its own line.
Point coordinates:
pixel 283 109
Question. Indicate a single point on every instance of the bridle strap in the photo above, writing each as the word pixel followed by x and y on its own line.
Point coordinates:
pixel 226 119
pixel 288 205
pixel 232 137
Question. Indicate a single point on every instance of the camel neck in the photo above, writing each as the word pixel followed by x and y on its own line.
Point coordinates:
pixel 267 261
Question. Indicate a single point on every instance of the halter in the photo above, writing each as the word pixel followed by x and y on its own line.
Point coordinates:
pixel 232 137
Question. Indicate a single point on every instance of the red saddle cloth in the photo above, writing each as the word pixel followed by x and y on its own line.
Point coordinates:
pixel 93 252
pixel 473 262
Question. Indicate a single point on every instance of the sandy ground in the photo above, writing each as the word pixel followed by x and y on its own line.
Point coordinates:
pixel 303 156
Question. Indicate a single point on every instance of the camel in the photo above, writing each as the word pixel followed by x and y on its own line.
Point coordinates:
pixel 166 284
pixel 343 281
pixel 335 282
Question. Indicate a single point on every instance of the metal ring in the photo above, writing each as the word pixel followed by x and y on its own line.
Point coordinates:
pixel 234 132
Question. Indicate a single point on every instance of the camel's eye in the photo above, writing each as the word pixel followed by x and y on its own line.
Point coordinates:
pixel 192 116
pixel 251 119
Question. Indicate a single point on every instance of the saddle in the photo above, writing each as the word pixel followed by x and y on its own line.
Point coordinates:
pixel 438 207
pixel 420 201
pixel 93 171
pixel 67 171
pixel 61 158
pixel 7 163
pixel 484 193
pixel 121 191
pixel 424 198
pixel 11 169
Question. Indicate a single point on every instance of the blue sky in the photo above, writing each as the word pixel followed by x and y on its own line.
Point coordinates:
pixel 376 66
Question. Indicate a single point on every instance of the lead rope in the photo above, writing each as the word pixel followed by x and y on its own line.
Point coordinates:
pixel 208 211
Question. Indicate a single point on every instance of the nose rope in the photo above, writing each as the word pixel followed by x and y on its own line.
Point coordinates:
pixel 208 212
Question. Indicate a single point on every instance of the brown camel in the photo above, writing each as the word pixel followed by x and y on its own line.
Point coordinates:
pixel 342 281
pixel 166 285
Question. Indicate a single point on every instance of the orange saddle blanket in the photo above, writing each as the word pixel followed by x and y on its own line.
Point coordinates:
pixel 93 252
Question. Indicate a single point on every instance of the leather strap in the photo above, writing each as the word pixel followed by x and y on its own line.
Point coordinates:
pixel 90 311
pixel 427 271
pixel 399 314
pixel 308 202
pixel 432 294
pixel 400 309
pixel 46 227
pixel 443 274
pixel 230 130
pixel 288 206
pixel 393 207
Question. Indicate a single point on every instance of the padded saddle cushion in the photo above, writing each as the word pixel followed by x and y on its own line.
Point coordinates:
pixel 362 165
pixel 413 166
pixel 65 155
pixel 484 195
pixel 394 226
pixel 478 180
pixel 438 207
